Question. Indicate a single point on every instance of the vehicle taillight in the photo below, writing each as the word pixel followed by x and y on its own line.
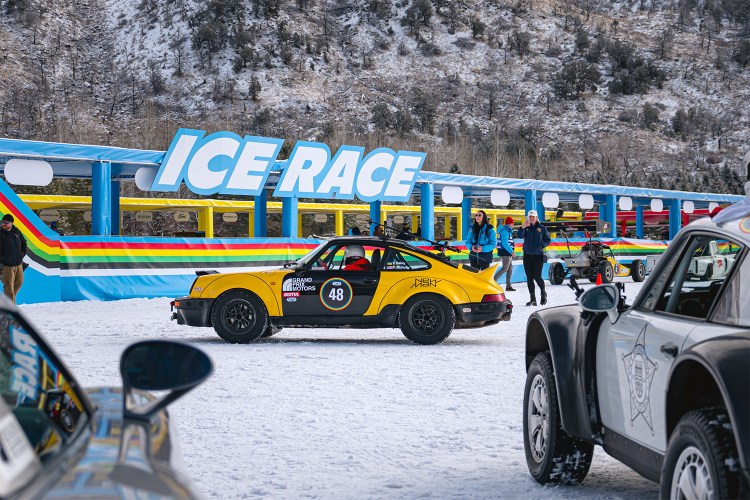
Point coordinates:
pixel 495 297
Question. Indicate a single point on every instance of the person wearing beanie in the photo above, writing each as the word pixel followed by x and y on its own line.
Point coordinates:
pixel 12 252
pixel 505 250
pixel 535 238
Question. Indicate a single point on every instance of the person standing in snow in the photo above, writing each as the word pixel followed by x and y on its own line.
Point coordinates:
pixel 505 249
pixel 481 241
pixel 12 252
pixel 535 238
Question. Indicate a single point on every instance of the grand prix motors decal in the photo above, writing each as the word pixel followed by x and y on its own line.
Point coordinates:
pixel 640 371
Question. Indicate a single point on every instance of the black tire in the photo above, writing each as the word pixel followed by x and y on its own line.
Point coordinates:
pixel 239 316
pixel 605 269
pixel 699 451
pixel 270 331
pixel 556 273
pixel 552 455
pixel 427 319
pixel 638 270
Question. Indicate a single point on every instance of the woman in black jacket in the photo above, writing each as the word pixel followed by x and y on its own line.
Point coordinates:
pixel 535 238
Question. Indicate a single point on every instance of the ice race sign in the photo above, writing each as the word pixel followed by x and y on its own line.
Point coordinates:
pixel 226 163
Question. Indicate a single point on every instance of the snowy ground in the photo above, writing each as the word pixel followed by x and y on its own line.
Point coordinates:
pixel 325 413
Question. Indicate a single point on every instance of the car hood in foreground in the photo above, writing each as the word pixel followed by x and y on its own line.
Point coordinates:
pixel 111 467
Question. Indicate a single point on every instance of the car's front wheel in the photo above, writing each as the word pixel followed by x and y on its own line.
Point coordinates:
pixel 605 269
pixel 552 455
pixel 556 273
pixel 638 270
pixel 701 459
pixel 239 317
pixel 427 319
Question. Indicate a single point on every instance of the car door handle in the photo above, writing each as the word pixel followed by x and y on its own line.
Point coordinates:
pixel 669 349
pixel 370 281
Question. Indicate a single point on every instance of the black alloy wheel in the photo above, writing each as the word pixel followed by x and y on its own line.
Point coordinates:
pixel 427 319
pixel 239 317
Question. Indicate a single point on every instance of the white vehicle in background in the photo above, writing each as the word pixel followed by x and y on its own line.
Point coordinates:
pixel 712 264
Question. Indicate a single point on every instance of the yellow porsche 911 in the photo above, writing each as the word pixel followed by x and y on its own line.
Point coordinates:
pixel 352 282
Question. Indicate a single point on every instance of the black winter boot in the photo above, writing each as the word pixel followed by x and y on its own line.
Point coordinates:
pixel 531 302
pixel 544 297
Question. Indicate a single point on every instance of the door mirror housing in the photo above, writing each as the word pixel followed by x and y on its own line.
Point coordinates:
pixel 160 365
pixel 601 298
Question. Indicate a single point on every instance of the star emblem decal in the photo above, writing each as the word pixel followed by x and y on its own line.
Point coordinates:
pixel 640 371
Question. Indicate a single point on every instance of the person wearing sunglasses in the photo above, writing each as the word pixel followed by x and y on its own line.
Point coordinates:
pixel 12 252
pixel 481 241
pixel 535 239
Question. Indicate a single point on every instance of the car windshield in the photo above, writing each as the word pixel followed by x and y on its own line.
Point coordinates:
pixel 307 258
pixel 41 395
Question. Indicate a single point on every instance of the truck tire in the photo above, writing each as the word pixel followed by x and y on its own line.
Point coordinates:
pixel 239 316
pixel 638 270
pixel 698 454
pixel 556 273
pixel 552 455
pixel 427 319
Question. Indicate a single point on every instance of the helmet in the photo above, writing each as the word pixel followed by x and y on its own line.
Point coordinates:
pixel 354 252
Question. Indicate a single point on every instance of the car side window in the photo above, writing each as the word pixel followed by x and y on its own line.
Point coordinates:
pixel 697 277
pixel 401 261
pixel 733 308
pixel 42 399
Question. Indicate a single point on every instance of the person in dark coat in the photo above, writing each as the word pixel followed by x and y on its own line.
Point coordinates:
pixel 535 238
pixel 481 241
pixel 12 252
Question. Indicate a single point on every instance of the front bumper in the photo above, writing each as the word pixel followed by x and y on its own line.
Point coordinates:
pixel 191 311
pixel 483 312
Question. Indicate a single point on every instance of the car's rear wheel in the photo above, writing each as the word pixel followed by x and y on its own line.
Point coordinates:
pixel 699 458
pixel 556 273
pixel 605 269
pixel 552 455
pixel 239 316
pixel 638 270
pixel 427 319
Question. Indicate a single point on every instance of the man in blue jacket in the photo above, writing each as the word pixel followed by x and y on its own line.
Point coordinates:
pixel 535 238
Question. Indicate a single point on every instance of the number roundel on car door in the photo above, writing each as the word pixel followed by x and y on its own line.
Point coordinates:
pixel 336 294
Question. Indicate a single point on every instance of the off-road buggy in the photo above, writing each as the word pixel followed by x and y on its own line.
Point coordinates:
pixel 594 259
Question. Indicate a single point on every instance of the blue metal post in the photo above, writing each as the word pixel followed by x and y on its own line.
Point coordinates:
pixel 289 217
pixel 529 201
pixel 639 221
pixel 466 219
pixel 675 217
pixel 428 211
pixel 260 214
pixel 374 216
pixel 610 215
pixel 101 208
pixel 115 204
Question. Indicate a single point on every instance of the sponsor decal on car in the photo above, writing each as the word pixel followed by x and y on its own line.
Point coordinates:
pixel 298 285
pixel 336 294
pixel 425 282
pixel 640 371
pixel 290 296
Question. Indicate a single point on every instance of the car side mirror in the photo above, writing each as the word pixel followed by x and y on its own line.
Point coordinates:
pixel 601 298
pixel 160 365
